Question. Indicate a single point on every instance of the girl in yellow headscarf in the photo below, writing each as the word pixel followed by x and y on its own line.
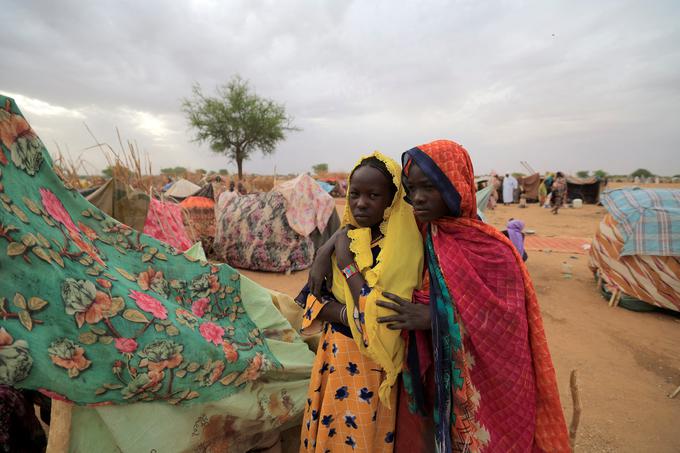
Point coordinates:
pixel 352 395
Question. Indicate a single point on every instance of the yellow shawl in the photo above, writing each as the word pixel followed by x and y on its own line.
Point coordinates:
pixel 398 270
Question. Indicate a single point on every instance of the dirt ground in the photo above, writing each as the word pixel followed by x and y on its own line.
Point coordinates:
pixel 627 362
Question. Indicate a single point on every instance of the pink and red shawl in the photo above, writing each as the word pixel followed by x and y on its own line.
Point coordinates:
pixel 164 222
pixel 504 394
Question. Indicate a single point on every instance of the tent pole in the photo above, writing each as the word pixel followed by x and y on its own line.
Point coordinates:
pixel 614 301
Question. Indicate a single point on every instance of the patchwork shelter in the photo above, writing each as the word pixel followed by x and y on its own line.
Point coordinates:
pixel 275 231
pixel 141 348
pixel 636 249
pixel 529 185
pixel 587 189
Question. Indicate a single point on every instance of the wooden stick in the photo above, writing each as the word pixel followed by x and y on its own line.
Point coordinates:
pixel 576 410
pixel 615 295
pixel 675 393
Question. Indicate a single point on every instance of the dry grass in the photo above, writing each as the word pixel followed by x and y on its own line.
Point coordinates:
pixel 129 165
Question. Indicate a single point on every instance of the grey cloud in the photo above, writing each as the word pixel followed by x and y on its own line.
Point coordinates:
pixel 569 85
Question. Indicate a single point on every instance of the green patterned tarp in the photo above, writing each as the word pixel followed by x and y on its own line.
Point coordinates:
pixel 96 313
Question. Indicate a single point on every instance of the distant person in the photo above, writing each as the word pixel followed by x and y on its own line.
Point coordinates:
pixel 242 189
pixel 549 182
pixel 559 193
pixel 514 231
pixel 509 186
pixel 542 194
pixel 168 183
pixel 232 186
pixel 493 198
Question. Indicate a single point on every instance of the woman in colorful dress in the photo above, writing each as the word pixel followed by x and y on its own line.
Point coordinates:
pixel 351 403
pixel 479 377
pixel 559 193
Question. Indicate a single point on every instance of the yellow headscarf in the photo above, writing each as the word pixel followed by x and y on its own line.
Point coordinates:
pixel 398 270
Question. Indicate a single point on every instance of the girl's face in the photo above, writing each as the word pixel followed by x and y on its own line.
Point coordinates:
pixel 428 204
pixel 370 193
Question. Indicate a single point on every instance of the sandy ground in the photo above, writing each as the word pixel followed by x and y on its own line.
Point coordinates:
pixel 628 362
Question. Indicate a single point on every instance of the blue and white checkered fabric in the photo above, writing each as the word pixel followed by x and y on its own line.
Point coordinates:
pixel 649 220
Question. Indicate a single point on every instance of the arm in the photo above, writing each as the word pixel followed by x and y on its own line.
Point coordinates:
pixel 321 270
pixel 344 258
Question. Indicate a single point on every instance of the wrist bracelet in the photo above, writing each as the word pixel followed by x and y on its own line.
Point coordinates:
pixel 350 270
pixel 343 315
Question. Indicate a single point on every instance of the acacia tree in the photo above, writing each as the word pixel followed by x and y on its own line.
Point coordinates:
pixel 320 169
pixel 237 122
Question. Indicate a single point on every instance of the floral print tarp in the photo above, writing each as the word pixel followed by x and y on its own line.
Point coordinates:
pixel 254 233
pixel 94 312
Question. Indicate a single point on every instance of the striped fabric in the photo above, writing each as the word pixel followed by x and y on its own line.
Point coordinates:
pixel 653 279
pixel 649 220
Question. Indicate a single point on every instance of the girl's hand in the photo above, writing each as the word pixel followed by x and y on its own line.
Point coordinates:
pixel 409 316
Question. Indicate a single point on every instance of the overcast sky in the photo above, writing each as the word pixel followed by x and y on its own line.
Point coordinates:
pixel 564 85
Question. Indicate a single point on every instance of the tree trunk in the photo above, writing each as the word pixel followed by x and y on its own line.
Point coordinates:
pixel 239 165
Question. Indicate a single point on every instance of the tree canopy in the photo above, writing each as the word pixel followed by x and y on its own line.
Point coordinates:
pixel 173 171
pixel 108 172
pixel 320 169
pixel 600 174
pixel 642 173
pixel 583 173
pixel 236 121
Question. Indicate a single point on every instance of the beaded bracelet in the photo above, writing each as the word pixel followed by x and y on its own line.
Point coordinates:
pixel 350 270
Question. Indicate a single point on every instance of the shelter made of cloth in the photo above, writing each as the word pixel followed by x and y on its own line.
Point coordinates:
pixel 121 202
pixel 308 205
pixel 586 189
pixel 649 220
pixel 529 185
pixel 182 188
pixel 253 233
pixel 654 279
pixel 97 314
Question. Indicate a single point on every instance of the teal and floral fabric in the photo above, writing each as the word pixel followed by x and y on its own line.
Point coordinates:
pixel 94 312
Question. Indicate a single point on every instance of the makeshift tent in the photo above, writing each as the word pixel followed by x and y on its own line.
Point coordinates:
pixel 529 185
pixel 127 205
pixel 254 233
pixel 587 189
pixel 147 349
pixel 308 206
pixel 199 220
pixel 207 191
pixel 636 249
pixel 320 237
pixel 275 231
pixel 182 188
pixel 165 222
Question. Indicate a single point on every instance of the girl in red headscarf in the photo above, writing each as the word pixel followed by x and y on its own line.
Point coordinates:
pixel 479 377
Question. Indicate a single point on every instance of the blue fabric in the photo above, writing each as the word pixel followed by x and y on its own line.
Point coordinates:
pixel 436 175
pixel 328 187
pixel 649 220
